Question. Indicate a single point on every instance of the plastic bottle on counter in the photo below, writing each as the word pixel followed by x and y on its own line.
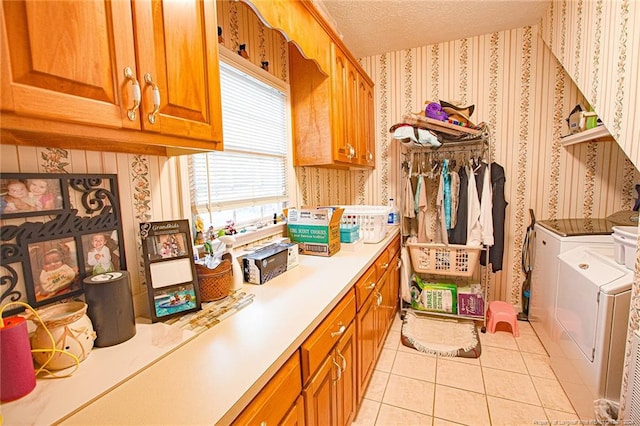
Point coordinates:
pixel 394 213
pixel 236 269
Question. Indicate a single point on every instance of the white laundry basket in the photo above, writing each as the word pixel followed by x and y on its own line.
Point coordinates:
pixel 371 219
pixel 625 242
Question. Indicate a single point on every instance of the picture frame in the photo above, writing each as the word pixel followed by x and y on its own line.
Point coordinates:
pixel 43 251
pixel 23 195
pixel 171 279
pixel 101 252
pixel 54 269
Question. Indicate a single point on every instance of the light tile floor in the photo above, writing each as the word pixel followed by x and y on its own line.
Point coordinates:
pixel 510 384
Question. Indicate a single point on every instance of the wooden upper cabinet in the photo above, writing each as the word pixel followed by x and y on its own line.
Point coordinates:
pixel 366 146
pixel 341 73
pixel 66 60
pixel 76 68
pixel 332 116
pixel 177 51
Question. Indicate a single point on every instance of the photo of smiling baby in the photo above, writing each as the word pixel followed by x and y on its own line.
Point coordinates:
pixel 101 252
pixel 29 195
pixel 54 268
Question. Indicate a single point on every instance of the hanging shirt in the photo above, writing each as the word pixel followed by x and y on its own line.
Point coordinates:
pixel 458 234
pixel 408 204
pixel 416 197
pixel 486 211
pixel 422 211
pixel 441 228
pixel 455 197
pixel 446 189
pixel 474 229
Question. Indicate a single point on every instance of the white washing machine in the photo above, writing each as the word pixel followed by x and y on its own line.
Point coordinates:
pixel 592 313
pixel 553 237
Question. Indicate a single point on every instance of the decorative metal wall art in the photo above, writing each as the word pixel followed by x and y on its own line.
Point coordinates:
pixel 56 230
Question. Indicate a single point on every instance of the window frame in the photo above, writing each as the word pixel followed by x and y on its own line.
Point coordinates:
pixel 243 65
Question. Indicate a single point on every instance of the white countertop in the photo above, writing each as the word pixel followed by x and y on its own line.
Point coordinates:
pixel 212 377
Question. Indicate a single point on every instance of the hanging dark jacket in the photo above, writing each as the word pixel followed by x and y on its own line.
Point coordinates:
pixel 496 252
pixel 458 235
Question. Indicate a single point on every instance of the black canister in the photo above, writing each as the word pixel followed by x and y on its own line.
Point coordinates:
pixel 110 307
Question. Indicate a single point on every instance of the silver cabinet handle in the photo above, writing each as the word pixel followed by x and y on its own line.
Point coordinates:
pixel 399 264
pixel 340 331
pixel 351 152
pixel 371 286
pixel 156 98
pixel 135 93
pixel 344 360
pixel 370 157
pixel 339 370
pixel 379 297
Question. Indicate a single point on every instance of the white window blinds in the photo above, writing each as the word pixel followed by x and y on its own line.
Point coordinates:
pixel 252 169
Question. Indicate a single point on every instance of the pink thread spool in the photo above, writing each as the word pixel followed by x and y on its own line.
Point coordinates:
pixel 17 376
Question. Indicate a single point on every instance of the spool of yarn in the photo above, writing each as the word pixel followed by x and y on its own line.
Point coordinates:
pixel 110 307
pixel 17 376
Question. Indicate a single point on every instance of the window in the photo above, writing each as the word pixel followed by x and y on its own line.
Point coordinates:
pixel 247 182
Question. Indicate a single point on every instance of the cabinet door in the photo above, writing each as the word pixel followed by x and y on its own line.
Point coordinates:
pixel 366 124
pixel 343 147
pixel 393 287
pixel 273 402
pixel 320 395
pixel 382 318
pixel 177 49
pixel 346 387
pixel 295 416
pixel 65 60
pixel 367 348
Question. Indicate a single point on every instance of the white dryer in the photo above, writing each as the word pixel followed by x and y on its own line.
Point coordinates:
pixel 553 237
pixel 591 316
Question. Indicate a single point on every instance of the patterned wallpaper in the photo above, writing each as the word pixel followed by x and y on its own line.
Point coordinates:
pixel 523 93
pixel 597 42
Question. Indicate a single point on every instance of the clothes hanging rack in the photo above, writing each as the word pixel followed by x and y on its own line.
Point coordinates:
pixel 418 158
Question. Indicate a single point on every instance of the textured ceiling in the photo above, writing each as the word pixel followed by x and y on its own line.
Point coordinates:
pixel 372 27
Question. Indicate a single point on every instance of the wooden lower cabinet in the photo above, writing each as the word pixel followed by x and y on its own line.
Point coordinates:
pixel 273 405
pixel 375 315
pixel 367 324
pixel 330 395
pixel 295 416
pixel 323 383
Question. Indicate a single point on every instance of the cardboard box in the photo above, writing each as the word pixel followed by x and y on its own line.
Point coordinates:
pixel 470 302
pixel 265 264
pixel 316 230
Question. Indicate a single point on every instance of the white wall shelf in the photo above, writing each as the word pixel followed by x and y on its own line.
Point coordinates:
pixel 599 133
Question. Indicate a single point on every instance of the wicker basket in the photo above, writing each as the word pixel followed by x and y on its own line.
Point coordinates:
pixel 455 260
pixel 214 283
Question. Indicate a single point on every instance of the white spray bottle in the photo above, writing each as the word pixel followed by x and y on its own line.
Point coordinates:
pixel 236 269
